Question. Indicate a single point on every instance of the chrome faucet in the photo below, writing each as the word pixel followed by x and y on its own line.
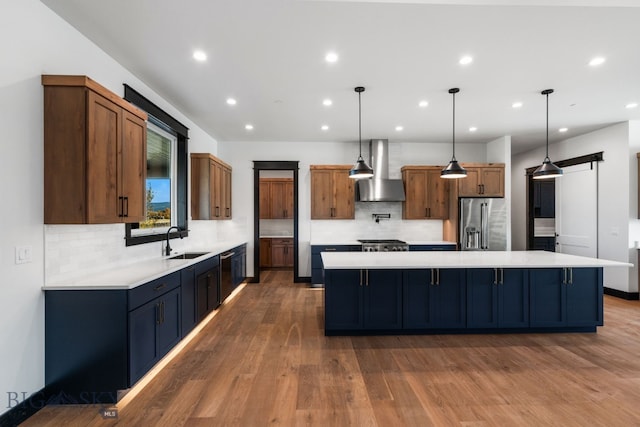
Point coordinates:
pixel 167 249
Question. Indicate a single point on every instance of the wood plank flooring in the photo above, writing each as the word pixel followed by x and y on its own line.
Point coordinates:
pixel 263 360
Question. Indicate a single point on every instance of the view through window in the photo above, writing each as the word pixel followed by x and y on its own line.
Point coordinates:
pixel 161 182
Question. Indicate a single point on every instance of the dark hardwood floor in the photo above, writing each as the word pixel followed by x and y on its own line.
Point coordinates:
pixel 263 360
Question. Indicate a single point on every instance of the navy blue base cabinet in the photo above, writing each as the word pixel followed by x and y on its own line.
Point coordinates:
pixel 458 300
pixel 438 247
pixel 497 298
pixel 566 297
pixel 357 300
pixel 434 298
pixel 99 343
pixel 317 279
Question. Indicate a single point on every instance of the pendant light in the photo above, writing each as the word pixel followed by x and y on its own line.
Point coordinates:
pixel 453 169
pixel 547 170
pixel 361 169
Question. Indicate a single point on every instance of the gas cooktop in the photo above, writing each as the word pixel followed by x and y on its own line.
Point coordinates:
pixel 383 245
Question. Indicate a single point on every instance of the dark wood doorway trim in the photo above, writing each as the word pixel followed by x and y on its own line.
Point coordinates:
pixel 271 166
pixel 588 158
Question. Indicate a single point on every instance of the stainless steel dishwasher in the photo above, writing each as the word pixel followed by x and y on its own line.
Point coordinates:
pixel 226 283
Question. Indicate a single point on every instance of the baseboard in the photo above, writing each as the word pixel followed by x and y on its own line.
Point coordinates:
pixel 23 410
pixel 632 296
pixel 302 279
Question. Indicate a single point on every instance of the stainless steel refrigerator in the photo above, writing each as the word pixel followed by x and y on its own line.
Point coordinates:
pixel 483 224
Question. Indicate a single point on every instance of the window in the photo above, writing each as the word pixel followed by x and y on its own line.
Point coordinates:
pixel 166 183
pixel 161 182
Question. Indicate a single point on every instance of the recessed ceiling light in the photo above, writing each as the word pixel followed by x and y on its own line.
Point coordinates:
pixel 473 129
pixel 231 101
pixel 632 105
pixel 248 126
pixel 516 104
pixel 598 60
pixel 331 57
pixel 563 130
pixel 423 104
pixel 327 102
pixel 466 60
pixel 199 55
pixel 325 127
pixel 399 128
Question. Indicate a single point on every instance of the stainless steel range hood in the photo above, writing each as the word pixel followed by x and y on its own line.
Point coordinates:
pixel 379 188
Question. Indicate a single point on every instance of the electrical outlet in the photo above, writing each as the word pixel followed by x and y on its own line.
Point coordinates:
pixel 24 254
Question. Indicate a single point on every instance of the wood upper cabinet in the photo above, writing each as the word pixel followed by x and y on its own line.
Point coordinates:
pixel 332 192
pixel 95 154
pixel 426 194
pixel 276 198
pixel 483 180
pixel 210 187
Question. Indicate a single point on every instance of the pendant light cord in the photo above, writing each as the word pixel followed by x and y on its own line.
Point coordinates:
pixel 547 156
pixel 360 124
pixel 454 126
pixel 546 93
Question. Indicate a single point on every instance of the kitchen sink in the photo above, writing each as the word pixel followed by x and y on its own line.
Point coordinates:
pixel 189 255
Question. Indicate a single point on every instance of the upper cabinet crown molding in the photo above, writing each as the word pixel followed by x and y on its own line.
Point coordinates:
pixel 95 154
pixel 84 81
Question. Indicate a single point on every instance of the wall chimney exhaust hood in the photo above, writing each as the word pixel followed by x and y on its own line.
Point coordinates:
pixel 379 188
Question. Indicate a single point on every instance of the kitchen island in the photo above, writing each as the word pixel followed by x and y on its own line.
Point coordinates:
pixel 462 292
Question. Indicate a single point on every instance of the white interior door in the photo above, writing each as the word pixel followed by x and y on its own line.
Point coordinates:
pixel 577 210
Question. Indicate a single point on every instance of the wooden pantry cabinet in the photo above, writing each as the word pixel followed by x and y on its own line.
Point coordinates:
pixel 427 195
pixel 95 154
pixel 276 198
pixel 332 192
pixel 210 187
pixel 483 180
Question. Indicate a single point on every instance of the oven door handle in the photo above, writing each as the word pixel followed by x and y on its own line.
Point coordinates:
pixel 227 255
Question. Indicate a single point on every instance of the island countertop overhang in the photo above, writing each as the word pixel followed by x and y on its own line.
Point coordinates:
pixel 461 259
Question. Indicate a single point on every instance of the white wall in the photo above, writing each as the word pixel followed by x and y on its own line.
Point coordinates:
pixel 35 42
pixel 634 222
pixel 242 154
pixel 613 189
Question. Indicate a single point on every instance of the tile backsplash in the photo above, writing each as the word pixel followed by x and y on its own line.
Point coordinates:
pixel 365 226
pixel 75 250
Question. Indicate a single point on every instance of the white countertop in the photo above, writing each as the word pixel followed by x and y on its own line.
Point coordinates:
pixel 462 259
pixel 139 273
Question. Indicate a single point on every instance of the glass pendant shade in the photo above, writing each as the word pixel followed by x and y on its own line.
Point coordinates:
pixel 547 170
pixel 453 169
pixel 361 169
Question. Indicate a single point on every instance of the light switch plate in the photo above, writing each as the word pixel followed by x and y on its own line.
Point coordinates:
pixel 24 254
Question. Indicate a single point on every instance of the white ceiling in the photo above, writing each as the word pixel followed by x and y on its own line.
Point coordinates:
pixel 269 56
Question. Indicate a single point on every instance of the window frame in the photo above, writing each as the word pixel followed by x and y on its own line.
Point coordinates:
pixel 164 121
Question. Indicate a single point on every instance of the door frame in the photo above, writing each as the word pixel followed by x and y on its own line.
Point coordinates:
pixel 258 166
pixel 588 158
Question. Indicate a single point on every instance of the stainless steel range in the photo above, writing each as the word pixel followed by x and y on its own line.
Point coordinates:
pixel 383 245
